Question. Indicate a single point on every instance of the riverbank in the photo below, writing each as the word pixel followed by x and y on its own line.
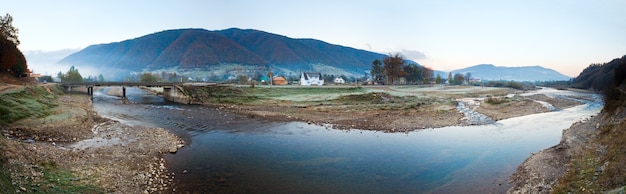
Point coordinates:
pixel 589 159
pixel 381 108
pixel 70 148
pixel 543 170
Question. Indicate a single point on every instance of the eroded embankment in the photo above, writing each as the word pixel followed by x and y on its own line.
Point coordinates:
pixel 589 159
pixel 69 148
pixel 541 171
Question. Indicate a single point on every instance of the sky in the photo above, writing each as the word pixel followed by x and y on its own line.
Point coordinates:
pixel 564 35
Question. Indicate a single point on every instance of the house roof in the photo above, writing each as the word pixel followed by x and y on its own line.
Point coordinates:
pixel 309 74
pixel 279 78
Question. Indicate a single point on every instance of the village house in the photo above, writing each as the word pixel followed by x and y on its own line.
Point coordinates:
pixel 311 79
pixel 279 81
pixel 339 80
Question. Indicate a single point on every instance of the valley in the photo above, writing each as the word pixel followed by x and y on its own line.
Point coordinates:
pixel 123 129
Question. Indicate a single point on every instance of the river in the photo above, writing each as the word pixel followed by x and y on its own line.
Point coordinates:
pixel 233 153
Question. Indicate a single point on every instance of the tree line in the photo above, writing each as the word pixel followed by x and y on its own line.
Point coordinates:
pixel 12 60
pixel 393 70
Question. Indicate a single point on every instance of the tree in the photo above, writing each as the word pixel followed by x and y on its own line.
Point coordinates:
pixel 100 78
pixel 72 76
pixel 394 65
pixel 450 78
pixel 148 77
pixel 378 72
pixel 458 79
pixel 427 75
pixel 328 78
pixel 242 79
pixel 11 58
pixel 7 30
pixel 468 78
pixel 438 79
pixel 270 75
pixel 414 73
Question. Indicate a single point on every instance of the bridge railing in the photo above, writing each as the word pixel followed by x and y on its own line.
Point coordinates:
pixel 147 84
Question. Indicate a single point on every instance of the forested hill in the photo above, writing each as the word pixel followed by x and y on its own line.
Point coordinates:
pixel 527 73
pixel 200 49
pixel 600 76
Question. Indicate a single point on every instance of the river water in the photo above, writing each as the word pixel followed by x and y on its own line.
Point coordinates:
pixel 232 153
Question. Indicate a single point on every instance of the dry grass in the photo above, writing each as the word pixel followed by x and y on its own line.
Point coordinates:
pixel 602 165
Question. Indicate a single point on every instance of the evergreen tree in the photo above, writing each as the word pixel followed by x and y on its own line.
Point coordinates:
pixel 377 72
pixel 438 79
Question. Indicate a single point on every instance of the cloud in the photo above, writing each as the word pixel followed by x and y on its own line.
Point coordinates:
pixel 413 54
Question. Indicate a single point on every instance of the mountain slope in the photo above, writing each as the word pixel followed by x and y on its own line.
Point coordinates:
pixel 200 50
pixel 527 73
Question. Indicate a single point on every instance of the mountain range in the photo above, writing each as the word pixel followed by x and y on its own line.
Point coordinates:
pixel 222 52
pixel 526 73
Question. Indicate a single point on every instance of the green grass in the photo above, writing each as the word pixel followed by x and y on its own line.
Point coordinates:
pixel 30 102
pixel 582 171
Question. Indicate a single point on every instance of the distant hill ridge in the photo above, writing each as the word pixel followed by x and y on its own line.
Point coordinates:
pixel 526 73
pixel 198 49
pixel 234 51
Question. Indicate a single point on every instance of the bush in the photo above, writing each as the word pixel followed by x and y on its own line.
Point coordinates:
pixel 496 100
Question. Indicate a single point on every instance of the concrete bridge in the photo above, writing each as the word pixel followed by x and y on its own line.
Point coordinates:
pixel 172 91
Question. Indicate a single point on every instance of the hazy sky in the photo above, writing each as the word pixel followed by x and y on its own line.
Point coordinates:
pixel 565 35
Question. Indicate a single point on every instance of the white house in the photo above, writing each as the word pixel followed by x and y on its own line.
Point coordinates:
pixel 309 79
pixel 339 80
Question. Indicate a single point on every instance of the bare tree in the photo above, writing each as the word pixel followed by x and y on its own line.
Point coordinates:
pixel 394 65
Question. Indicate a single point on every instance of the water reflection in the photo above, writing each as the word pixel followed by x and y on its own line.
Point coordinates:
pixel 234 153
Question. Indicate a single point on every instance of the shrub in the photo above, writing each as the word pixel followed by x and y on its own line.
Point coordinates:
pixel 496 100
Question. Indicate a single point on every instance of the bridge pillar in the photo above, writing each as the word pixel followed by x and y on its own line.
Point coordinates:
pixel 90 91
pixel 171 93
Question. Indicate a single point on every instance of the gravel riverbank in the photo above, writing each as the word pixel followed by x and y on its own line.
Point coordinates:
pixel 94 153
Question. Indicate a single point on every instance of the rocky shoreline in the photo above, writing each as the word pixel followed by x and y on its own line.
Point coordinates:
pixel 110 156
pixel 542 170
